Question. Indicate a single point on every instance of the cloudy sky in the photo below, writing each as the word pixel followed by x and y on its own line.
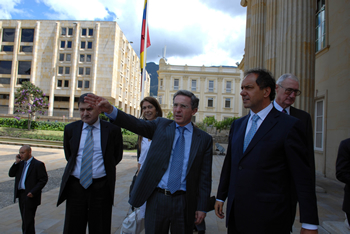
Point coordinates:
pixel 195 32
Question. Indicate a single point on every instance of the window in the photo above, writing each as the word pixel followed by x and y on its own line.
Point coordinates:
pixel 70 31
pixel 5 80
pixel 7 48
pixel 24 67
pixel 89 46
pixel 61 99
pixel 67 71
pixel 227 103
pixel 63 31
pixel 68 57
pixel 59 84
pixel 160 99
pixel 228 86
pixel 88 58
pixel 8 35
pixel 87 71
pixel 83 31
pixel 210 102
pixel 87 84
pixel 69 44
pixel 5 67
pixel 319 115
pixel 20 81
pixel 82 58
pixel 161 84
pixel 27 35
pixel 91 32
pixel 82 45
pixel 194 85
pixel 61 58
pixel 176 84
pixel 66 83
pixel 4 96
pixel 81 71
pixel 63 44
pixel 211 86
pixel 26 49
pixel 80 84
pixel 60 70
pixel 320 26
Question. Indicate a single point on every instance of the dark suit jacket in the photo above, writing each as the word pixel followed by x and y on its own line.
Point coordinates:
pixel 343 171
pixel 36 180
pixel 112 151
pixel 257 182
pixel 162 132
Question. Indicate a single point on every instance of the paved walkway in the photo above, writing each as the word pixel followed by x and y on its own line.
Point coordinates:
pixel 49 218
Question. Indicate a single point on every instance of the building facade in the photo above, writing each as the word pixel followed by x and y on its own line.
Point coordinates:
pixel 67 59
pixel 217 88
pixel 310 39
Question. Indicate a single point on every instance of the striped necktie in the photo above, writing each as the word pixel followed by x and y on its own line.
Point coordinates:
pixel 86 161
pixel 174 181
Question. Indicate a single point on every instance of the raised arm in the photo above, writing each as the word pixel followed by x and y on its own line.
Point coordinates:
pixel 100 102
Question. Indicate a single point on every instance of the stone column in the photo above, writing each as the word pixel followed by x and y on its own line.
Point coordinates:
pixel 94 61
pixel 73 76
pixel 271 35
pixel 255 33
pixel 35 52
pixel 54 70
pixel 296 47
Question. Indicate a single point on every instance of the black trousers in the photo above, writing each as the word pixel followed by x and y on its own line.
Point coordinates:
pixel 27 213
pixel 91 206
pixel 164 212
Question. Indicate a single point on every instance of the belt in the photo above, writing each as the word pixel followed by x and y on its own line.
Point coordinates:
pixel 93 180
pixel 168 193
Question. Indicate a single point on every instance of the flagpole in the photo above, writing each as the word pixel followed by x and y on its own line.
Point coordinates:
pixel 143 78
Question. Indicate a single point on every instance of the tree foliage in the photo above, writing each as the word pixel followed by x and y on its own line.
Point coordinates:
pixel 30 100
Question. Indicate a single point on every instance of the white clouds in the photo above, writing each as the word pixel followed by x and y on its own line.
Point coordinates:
pixel 75 9
pixel 7 7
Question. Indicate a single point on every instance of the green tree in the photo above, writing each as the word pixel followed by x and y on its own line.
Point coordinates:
pixel 170 115
pixel 30 100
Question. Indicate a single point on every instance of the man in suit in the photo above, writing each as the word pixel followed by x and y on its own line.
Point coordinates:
pixel 266 149
pixel 31 177
pixel 93 148
pixel 343 175
pixel 175 179
pixel 287 89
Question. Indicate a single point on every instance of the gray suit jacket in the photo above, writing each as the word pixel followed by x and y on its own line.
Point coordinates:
pixel 162 133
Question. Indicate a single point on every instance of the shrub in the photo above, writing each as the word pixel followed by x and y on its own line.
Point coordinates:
pixel 130 141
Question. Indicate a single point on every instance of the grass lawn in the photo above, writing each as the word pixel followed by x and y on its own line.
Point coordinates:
pixel 37 134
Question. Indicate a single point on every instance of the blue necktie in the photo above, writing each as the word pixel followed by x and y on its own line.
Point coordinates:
pixel 86 161
pixel 22 177
pixel 251 132
pixel 174 181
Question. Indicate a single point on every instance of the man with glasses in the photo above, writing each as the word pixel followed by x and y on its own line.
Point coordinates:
pixel 287 89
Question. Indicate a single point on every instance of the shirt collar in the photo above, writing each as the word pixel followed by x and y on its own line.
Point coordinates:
pixel 263 113
pixel 29 160
pixel 96 124
pixel 279 108
pixel 189 126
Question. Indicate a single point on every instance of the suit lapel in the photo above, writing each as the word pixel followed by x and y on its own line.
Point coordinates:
pixel 241 135
pixel 194 148
pixel 30 168
pixel 268 123
pixel 104 136
pixel 76 135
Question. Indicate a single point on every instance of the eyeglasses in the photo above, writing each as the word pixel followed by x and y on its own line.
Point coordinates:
pixel 182 106
pixel 289 91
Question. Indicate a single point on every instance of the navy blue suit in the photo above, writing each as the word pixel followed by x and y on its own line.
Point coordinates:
pixel 257 183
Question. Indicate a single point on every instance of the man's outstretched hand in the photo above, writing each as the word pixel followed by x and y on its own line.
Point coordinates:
pixel 101 103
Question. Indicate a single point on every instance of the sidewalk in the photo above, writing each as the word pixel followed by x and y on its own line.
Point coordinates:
pixel 49 218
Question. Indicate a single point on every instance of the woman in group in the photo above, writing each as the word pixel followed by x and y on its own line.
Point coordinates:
pixel 150 110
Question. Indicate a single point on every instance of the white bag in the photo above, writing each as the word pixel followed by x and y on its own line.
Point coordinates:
pixel 132 224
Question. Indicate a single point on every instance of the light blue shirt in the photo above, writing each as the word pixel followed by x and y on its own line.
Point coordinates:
pixel 22 184
pixel 98 166
pixel 188 140
pixel 279 108
pixel 262 114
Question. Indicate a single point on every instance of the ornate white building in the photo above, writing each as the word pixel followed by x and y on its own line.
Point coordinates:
pixel 217 88
pixel 67 59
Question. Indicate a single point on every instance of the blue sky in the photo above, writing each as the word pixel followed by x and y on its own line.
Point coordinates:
pixel 195 32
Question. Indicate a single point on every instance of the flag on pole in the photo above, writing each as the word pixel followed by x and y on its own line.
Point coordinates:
pixel 144 40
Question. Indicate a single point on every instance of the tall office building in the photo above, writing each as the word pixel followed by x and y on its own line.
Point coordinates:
pixel 67 59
